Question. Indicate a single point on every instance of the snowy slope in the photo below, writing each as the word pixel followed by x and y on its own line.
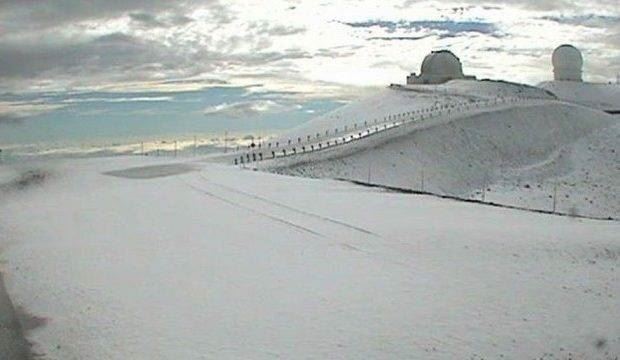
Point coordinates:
pixel 521 153
pixel 604 97
pixel 387 103
pixel 221 263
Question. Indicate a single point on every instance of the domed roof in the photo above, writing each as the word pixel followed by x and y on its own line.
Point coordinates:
pixel 442 63
pixel 567 56
pixel 567 63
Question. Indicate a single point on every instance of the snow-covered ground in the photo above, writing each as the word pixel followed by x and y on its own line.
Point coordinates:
pixel 529 151
pixel 204 261
pixel 383 106
pixel 604 97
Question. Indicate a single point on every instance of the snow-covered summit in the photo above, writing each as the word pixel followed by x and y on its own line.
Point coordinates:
pixel 397 99
pixel 568 84
pixel 463 138
pixel 604 97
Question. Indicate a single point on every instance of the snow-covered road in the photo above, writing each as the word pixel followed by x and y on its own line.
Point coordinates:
pixel 216 262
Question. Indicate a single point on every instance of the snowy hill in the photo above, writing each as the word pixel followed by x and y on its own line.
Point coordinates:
pixel 135 258
pixel 604 97
pixel 513 144
pixel 388 103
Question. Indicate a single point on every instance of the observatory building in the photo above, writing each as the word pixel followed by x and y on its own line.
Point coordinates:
pixel 568 84
pixel 567 63
pixel 439 67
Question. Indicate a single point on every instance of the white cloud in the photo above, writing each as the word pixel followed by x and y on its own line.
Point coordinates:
pixel 119 100
pixel 16 110
pixel 246 109
pixel 304 48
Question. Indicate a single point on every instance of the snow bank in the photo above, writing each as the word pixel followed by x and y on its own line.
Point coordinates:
pixel 225 263
pixel 604 97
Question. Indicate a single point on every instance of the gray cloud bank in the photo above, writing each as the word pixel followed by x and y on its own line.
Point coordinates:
pixel 75 44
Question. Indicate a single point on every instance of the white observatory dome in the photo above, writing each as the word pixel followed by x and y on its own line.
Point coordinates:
pixel 439 67
pixel 442 64
pixel 567 63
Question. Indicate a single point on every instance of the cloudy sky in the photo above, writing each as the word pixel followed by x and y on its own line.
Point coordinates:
pixel 196 65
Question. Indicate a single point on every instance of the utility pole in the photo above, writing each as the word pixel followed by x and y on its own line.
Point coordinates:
pixel 175 148
pixel 195 145
pixel 422 182
pixel 225 141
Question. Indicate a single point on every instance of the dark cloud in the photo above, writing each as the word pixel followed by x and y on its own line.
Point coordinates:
pixel 47 42
pixel 35 14
pixel 120 57
pixel 121 45
pixel 116 51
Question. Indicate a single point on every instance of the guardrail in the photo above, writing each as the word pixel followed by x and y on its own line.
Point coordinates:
pixel 330 138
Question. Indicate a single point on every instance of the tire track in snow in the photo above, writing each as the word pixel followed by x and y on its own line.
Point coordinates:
pixel 254 211
pixel 287 207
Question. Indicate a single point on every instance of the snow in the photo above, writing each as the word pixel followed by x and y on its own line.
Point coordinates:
pixel 599 96
pixel 521 150
pixel 226 263
pixel 388 102
pixel 152 258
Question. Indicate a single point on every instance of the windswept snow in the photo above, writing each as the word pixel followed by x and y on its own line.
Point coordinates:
pixel 223 263
pixel 381 107
pixel 145 258
pixel 531 151
pixel 152 171
pixel 604 97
